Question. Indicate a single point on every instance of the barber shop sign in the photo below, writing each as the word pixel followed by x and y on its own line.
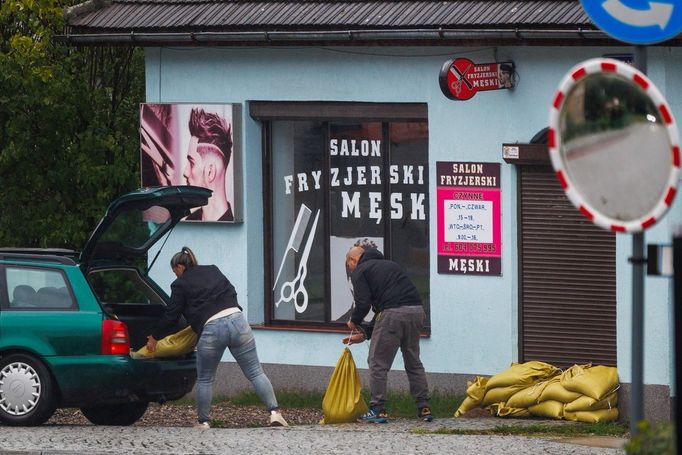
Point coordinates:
pixel 469 221
pixel 461 79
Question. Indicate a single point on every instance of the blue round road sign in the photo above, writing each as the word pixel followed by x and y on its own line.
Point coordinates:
pixel 636 21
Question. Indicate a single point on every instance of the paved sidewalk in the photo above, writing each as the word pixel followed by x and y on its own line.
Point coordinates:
pixel 397 437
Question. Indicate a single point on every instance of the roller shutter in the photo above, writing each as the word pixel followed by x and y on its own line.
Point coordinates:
pixel 567 277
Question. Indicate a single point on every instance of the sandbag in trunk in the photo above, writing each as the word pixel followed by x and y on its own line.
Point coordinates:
pixel 174 345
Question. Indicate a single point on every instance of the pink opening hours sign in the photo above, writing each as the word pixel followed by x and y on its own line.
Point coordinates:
pixel 469 218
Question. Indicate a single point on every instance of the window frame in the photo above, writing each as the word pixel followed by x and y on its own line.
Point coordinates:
pixel 266 112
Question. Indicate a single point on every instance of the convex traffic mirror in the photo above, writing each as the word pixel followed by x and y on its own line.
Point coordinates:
pixel 614 145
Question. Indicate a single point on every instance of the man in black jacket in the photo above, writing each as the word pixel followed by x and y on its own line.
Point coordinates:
pixel 383 286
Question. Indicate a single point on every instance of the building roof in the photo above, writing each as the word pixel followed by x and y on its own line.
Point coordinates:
pixel 249 22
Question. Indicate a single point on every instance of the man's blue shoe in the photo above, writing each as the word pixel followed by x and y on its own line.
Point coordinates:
pixel 425 414
pixel 374 416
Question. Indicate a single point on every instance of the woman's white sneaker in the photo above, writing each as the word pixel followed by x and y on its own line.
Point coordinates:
pixel 276 419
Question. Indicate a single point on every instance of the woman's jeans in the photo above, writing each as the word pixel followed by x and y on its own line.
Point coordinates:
pixel 231 332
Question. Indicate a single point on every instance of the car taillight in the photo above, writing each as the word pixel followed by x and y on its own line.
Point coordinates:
pixel 115 338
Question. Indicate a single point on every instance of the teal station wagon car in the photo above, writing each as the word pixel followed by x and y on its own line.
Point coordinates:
pixel 68 321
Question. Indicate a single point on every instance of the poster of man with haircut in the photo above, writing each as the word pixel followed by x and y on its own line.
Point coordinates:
pixel 342 303
pixel 193 144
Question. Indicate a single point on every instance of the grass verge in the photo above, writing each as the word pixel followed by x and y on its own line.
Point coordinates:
pixel 579 429
pixel 442 406
pixel 400 404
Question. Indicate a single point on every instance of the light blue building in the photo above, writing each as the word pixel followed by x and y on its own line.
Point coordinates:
pixel 339 121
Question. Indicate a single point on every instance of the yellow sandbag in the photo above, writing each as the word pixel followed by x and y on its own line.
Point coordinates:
pixel 555 391
pixel 175 345
pixel 585 403
pixel 342 401
pixel 501 410
pixel 476 388
pixel 475 392
pixel 550 408
pixel 522 373
pixel 501 394
pixel 467 405
pixel 595 382
pixel 600 415
pixel 527 397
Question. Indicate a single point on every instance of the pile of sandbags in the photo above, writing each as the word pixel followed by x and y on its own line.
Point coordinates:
pixel 582 393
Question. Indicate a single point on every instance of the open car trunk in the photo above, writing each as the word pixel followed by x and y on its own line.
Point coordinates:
pixel 140 320
pixel 115 258
pixel 131 298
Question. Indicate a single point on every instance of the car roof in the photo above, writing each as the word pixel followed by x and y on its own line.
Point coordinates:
pixel 56 255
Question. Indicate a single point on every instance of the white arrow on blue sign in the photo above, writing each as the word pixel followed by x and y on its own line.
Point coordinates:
pixel 636 21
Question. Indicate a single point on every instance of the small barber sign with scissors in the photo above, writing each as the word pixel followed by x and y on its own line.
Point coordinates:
pixel 460 79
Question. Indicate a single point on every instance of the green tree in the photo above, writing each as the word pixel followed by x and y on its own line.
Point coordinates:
pixel 68 127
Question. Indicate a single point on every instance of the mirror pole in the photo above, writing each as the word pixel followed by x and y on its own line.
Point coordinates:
pixel 641 59
pixel 677 307
pixel 638 273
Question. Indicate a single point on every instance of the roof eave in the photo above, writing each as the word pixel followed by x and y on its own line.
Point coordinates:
pixel 440 36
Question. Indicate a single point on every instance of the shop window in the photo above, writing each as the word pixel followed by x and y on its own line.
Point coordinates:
pixel 332 183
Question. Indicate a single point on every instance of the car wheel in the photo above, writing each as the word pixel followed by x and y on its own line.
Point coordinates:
pixel 115 414
pixel 26 391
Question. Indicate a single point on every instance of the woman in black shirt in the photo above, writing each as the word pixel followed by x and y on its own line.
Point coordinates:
pixel 208 301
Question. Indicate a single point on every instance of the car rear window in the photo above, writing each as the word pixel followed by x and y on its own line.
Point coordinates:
pixel 37 289
pixel 134 228
pixel 122 286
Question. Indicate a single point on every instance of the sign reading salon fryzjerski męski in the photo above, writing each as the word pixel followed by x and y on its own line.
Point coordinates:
pixel 469 220
pixel 346 177
pixel 460 79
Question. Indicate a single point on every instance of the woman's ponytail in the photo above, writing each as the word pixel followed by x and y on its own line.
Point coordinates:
pixel 185 257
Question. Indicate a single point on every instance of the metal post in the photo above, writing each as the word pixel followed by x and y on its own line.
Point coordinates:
pixel 638 274
pixel 641 58
pixel 677 278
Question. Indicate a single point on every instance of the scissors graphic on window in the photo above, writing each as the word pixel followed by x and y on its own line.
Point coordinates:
pixel 295 290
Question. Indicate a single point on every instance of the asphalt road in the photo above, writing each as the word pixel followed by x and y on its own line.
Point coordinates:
pixel 396 437
pixel 622 174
